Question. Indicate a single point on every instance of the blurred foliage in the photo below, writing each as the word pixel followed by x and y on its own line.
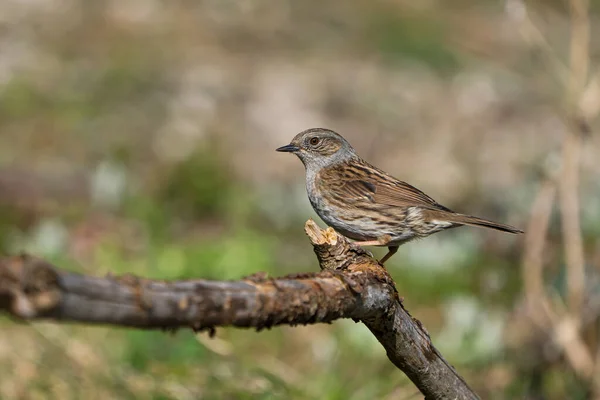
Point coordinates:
pixel 415 38
pixel 9 220
pixel 198 187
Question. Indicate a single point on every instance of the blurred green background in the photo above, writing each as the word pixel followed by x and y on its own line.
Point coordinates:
pixel 138 136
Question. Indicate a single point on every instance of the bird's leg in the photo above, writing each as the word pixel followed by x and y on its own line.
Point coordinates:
pixel 380 241
pixel 391 251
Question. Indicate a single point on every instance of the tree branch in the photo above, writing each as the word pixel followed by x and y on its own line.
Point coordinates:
pixel 569 182
pixel 351 285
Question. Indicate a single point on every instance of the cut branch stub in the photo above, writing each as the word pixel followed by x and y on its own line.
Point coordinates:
pixel 335 252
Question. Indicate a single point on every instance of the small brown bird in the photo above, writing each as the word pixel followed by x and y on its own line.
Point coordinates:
pixel 366 204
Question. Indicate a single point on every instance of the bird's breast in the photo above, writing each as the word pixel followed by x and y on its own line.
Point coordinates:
pixel 341 218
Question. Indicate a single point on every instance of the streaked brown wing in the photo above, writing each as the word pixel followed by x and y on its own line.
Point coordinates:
pixel 401 194
pixel 358 181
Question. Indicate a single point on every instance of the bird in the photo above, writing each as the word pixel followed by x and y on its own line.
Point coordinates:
pixel 365 203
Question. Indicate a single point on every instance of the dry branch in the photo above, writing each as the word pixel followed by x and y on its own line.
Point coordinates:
pixel 564 322
pixel 569 187
pixel 351 285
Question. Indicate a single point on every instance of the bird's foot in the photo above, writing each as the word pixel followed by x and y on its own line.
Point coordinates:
pixel 391 251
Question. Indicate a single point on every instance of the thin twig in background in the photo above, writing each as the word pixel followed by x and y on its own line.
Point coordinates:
pixel 532 34
pixel 584 105
pixel 571 227
pixel 548 309
pixel 596 388
pixel 533 253
pixel 535 238
pixel 569 182
pixel 566 334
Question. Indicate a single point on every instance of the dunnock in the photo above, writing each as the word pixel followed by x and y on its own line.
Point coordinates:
pixel 365 203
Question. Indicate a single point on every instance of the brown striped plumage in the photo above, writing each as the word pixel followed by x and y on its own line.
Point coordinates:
pixel 365 203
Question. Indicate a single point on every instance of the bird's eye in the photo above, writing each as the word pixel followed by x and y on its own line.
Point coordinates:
pixel 314 141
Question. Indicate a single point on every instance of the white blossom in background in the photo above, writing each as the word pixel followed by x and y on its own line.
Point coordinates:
pixel 471 331
pixel 108 184
pixel 49 237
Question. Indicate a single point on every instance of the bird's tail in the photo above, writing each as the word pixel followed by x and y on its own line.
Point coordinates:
pixel 476 221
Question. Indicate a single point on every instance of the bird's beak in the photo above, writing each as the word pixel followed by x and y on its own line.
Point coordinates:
pixel 288 148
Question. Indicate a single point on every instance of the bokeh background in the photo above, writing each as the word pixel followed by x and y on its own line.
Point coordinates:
pixel 138 136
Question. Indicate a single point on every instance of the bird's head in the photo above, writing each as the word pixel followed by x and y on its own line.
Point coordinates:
pixel 319 147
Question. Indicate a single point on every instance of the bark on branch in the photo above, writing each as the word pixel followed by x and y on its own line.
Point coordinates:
pixel 351 285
